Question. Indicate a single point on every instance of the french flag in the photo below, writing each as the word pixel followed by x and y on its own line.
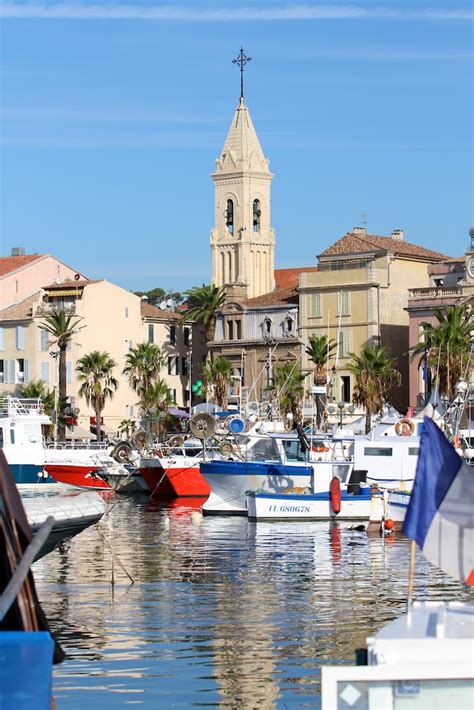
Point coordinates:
pixel 440 516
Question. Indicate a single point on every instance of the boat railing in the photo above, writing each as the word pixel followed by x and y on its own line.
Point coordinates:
pixel 14 406
pixel 77 445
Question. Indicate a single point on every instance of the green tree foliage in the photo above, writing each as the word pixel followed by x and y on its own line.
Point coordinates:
pixel 62 326
pixel 446 347
pixel 143 364
pixel 202 303
pixel 156 401
pixel 216 378
pixel 375 377
pixel 156 295
pixel 36 389
pixel 288 390
pixel 95 371
pixel 319 351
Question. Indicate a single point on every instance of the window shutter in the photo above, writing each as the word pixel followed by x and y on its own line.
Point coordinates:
pixel 25 370
pixel 343 303
pixel 12 372
pixel 315 305
pixel 45 372
pixel 20 337
pixel 69 373
pixel 2 338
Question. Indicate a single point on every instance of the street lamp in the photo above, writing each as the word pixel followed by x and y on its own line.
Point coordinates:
pixel 55 355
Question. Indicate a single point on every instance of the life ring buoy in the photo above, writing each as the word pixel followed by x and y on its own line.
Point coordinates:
pixel 319 448
pixel 335 494
pixel 404 427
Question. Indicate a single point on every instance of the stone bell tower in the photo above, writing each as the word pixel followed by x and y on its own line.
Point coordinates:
pixel 242 240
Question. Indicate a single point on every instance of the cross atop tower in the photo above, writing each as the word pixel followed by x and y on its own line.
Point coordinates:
pixel 241 60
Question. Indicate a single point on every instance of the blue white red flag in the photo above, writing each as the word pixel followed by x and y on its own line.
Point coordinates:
pixel 440 516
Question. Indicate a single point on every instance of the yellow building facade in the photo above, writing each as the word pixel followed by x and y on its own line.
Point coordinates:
pixel 359 294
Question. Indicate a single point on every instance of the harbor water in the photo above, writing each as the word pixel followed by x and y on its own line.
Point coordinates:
pixel 223 613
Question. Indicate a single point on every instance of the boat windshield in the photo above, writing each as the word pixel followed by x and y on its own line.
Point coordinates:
pixel 262 449
pixel 292 450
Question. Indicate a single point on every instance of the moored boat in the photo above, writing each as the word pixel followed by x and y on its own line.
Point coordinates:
pixel 72 511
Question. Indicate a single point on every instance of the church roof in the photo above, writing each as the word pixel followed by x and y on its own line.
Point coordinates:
pixel 358 243
pixel 286 288
pixel 242 150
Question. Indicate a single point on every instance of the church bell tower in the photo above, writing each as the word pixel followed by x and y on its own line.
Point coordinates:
pixel 242 240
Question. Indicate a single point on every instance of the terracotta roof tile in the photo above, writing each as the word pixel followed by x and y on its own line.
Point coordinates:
pixel 148 310
pixel 12 263
pixel 286 288
pixel 20 311
pixel 279 297
pixel 352 243
pixel 290 278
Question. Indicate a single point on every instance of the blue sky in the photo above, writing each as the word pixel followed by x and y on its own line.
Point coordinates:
pixel 114 112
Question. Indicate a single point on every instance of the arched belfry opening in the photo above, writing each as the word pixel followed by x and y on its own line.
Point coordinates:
pixel 256 213
pixel 229 216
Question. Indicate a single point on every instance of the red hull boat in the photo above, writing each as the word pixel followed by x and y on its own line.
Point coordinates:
pixel 174 478
pixel 81 476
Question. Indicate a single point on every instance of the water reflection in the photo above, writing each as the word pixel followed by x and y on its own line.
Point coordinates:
pixel 223 613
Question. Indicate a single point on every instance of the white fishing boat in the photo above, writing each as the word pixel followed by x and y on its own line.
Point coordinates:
pixel 33 461
pixel 337 503
pixel 73 512
pixel 424 659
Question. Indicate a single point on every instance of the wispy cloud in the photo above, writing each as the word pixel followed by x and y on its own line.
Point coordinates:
pixel 213 13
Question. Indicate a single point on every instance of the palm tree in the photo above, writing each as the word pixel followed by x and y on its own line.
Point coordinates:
pixel 94 370
pixel 216 378
pixel 126 427
pixel 36 389
pixel 156 400
pixel 319 350
pixel 375 376
pixel 288 389
pixel 445 347
pixel 143 365
pixel 62 326
pixel 203 302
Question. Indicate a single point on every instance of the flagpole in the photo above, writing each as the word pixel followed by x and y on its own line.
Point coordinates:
pixel 411 574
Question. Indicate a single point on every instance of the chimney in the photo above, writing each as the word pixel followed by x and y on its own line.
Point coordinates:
pixel 359 230
pixel 18 251
pixel 397 234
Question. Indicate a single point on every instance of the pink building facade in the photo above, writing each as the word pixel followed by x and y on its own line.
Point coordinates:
pixel 447 287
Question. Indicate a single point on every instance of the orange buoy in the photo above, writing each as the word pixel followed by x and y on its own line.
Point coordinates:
pixel 335 494
pixel 389 524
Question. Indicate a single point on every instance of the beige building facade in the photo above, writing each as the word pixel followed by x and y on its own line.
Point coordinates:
pixel 359 294
pixel 112 320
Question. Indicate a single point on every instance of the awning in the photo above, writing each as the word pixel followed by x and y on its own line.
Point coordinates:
pixel 180 413
pixel 77 432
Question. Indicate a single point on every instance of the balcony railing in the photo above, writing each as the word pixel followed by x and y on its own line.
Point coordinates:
pixel 434 292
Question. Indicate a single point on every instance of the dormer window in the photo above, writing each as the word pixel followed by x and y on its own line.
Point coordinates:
pixel 267 326
pixel 229 216
pixel 256 212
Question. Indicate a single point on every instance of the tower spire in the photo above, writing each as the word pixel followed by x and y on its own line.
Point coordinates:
pixel 241 60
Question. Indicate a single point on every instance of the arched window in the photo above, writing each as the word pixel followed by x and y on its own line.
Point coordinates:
pixel 256 212
pixel 267 326
pixel 229 216
pixel 289 325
